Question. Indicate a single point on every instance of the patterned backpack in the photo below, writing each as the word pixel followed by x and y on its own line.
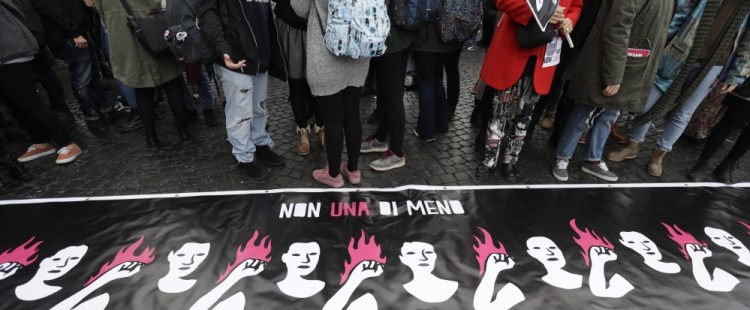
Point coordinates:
pixel 461 19
pixel 356 28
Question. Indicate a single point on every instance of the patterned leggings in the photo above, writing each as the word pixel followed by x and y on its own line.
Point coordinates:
pixel 512 110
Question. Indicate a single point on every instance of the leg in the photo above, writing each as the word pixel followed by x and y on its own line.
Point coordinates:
pixel 298 89
pixel 453 81
pixel 80 66
pixel 638 134
pixel 496 126
pixel 145 99
pixel 238 89
pixel 352 126
pixel 176 101
pixel 442 113
pixel 525 106
pixel 51 84
pixel 258 134
pixel 426 66
pixel 204 90
pixel 735 117
pixel 332 108
pixel 597 137
pixel 579 121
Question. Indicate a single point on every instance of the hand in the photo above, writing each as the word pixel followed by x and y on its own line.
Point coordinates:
pixel 727 88
pixel 566 27
pixel 89 3
pixel 697 251
pixel 248 268
pixel 233 65
pixel 8 269
pixel 366 270
pixel 498 262
pixel 121 271
pixel 611 90
pixel 80 42
pixel 601 255
pixel 558 17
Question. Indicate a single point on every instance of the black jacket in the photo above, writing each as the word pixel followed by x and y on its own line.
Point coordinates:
pixel 228 31
pixel 64 19
pixel 284 11
pixel 33 21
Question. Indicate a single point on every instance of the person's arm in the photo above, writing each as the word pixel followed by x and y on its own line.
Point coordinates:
pixel 517 10
pixel 740 67
pixel 615 38
pixel 215 34
pixel 53 11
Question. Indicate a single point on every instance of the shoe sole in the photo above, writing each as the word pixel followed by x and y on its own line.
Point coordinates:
pixel 560 178
pixel 329 184
pixel 603 177
pixel 37 156
pixel 617 160
pixel 374 150
pixel 391 167
pixel 272 164
pixel 69 159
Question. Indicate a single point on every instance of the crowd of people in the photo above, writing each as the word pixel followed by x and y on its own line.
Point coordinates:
pixel 683 62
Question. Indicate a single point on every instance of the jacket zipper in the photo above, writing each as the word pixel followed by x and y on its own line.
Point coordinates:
pixel 252 33
pixel 278 42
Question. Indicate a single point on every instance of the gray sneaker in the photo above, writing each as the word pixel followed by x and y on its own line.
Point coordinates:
pixel 388 161
pixel 372 145
pixel 560 170
pixel 599 170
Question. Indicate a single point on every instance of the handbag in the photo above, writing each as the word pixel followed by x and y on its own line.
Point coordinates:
pixel 149 31
pixel 531 36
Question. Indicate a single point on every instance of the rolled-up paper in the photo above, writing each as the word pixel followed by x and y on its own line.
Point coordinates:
pixel 570 41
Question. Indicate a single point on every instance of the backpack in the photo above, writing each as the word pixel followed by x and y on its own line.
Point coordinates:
pixel 356 28
pixel 184 37
pixel 461 19
pixel 411 14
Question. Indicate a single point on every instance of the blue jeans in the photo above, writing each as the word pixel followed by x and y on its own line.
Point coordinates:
pixel 204 92
pixel 246 114
pixel 676 125
pixel 582 118
pixel 84 79
pixel 433 109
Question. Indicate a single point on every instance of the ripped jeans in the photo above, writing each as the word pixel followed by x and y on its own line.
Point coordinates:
pixel 246 114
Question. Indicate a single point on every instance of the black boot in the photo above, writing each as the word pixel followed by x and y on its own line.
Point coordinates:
pixel 185 136
pixel 15 169
pixel 132 123
pixel 698 172
pixel 509 172
pixel 724 173
pixel 152 141
pixel 264 154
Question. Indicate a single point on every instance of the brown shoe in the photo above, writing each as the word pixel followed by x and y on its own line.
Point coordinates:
pixel 616 137
pixel 36 151
pixel 628 152
pixel 320 131
pixel 654 167
pixel 583 138
pixel 303 147
pixel 547 122
pixel 68 154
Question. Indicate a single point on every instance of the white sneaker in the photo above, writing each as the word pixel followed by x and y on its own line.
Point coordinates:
pixel 560 170
pixel 599 170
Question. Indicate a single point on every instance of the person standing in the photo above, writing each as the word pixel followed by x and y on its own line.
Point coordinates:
pixel 244 35
pixel 621 53
pixel 337 88
pixel 518 76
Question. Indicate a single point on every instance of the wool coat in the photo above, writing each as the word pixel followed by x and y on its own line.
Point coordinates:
pixel 131 63
pixel 622 26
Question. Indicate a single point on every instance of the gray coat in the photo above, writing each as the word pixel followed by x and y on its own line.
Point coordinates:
pixel 16 41
pixel 326 73
pixel 604 60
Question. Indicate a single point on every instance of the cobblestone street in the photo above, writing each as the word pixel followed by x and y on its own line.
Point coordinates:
pixel 117 163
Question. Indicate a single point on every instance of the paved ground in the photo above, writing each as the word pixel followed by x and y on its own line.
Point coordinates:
pixel 120 164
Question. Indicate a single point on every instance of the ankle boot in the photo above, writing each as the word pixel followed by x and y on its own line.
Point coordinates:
pixel 724 173
pixel 303 146
pixel 320 131
pixel 184 134
pixel 628 152
pixel 698 172
pixel 654 166
pixel 152 141
pixel 615 135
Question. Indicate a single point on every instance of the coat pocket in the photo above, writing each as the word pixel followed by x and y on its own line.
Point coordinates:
pixel 633 78
pixel 672 59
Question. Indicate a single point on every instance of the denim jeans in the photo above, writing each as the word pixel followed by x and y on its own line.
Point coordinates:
pixel 681 116
pixel 85 79
pixel 433 110
pixel 204 92
pixel 246 114
pixel 582 118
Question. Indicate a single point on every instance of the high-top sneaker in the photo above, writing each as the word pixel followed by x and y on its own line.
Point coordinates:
pixel 654 166
pixel 303 146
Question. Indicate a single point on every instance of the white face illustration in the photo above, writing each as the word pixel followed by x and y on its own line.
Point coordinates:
pixel 418 256
pixel 302 258
pixel 59 264
pixel 725 240
pixel 545 251
pixel 640 244
pixel 187 258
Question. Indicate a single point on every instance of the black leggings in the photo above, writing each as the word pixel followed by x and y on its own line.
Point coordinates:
pixel 453 81
pixel 341 116
pixel 18 93
pixel 737 116
pixel 390 72
pixel 145 99
pixel 301 98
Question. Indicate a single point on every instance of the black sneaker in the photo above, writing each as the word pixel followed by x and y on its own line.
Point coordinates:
pixel 266 155
pixel 210 117
pixel 252 170
pixel 510 172
pixel 132 123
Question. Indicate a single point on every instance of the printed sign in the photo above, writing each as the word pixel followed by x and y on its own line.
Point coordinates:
pixel 542 10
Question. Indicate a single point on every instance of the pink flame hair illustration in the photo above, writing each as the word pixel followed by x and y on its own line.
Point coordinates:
pixel 682 238
pixel 251 250
pixel 126 255
pixel 24 254
pixel 364 250
pixel 747 226
pixel 486 248
pixel 587 239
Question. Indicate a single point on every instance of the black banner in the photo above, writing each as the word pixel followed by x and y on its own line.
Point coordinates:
pixel 607 247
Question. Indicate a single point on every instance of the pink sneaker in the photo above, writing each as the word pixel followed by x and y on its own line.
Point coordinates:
pixel 354 177
pixel 322 176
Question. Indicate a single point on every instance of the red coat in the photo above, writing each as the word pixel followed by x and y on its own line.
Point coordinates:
pixel 505 59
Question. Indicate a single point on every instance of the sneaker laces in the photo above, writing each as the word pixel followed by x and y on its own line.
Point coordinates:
pixel 602 165
pixel 562 164
pixel 31 148
pixel 64 150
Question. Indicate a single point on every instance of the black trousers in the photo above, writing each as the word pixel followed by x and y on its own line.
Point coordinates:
pixel 145 99
pixel 736 117
pixel 341 116
pixel 18 92
pixel 390 73
pixel 302 100
pixel 453 81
